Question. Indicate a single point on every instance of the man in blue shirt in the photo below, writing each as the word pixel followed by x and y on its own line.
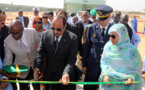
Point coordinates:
pixel 134 23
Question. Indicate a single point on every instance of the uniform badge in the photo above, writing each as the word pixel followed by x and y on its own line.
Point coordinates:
pixel 99 13
pixel 94 35
pixel 96 26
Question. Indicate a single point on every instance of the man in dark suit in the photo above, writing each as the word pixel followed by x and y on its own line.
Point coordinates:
pixel 4 32
pixel 59 46
pixel 82 24
pixel 23 19
pixel 124 20
pixel 96 38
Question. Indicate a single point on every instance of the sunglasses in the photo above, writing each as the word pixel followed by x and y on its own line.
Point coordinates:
pixel 37 22
pixel 16 33
pixel 93 17
pixel 58 29
pixel 85 15
pixel 44 17
pixel 113 36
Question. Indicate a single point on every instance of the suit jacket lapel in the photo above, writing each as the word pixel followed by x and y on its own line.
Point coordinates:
pixel 53 42
pixel 90 22
pixel 17 46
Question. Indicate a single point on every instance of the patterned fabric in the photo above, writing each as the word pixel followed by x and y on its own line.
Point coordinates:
pixel 121 61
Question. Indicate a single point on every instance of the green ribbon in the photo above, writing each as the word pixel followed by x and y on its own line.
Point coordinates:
pixel 56 82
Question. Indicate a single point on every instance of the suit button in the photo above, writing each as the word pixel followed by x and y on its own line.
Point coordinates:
pixel 102 41
pixel 101 48
pixel 100 54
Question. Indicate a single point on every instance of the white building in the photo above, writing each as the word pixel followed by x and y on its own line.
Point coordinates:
pixel 82 5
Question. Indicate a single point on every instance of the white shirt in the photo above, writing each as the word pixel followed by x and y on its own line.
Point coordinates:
pixel 46 26
pixel 49 22
pixel 85 24
pixel 30 25
pixel 22 18
pixel 105 29
pixel 24 40
pixel 79 18
pixel 69 20
pixel 59 38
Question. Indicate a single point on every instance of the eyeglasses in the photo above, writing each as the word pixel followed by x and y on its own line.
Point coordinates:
pixel 16 33
pixel 58 29
pixel 124 20
pixel 93 17
pixel 85 15
pixel 44 17
pixel 113 36
pixel 37 22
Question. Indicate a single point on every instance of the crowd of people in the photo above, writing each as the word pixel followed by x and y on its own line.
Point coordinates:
pixel 98 44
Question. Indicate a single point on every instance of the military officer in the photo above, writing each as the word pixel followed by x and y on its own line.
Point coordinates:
pixel 96 38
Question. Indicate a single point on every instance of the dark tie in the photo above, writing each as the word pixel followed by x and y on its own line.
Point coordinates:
pixel 103 30
pixel 56 42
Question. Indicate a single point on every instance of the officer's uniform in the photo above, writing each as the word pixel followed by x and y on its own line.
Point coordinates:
pixel 94 44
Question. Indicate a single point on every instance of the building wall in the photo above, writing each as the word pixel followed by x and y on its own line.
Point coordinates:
pixel 15 8
pixel 73 8
pixel 82 5
pixel 98 2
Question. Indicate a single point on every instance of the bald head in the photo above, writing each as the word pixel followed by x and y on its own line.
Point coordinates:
pixel 116 18
pixel 125 16
pixel 16 23
pixel 16 29
pixel 86 12
pixel 124 19
pixel 63 13
pixel 119 13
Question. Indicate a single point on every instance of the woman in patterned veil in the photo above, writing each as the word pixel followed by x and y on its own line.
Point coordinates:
pixel 120 61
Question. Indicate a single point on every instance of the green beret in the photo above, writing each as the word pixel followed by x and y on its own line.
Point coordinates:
pixel 93 12
pixel 16 69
